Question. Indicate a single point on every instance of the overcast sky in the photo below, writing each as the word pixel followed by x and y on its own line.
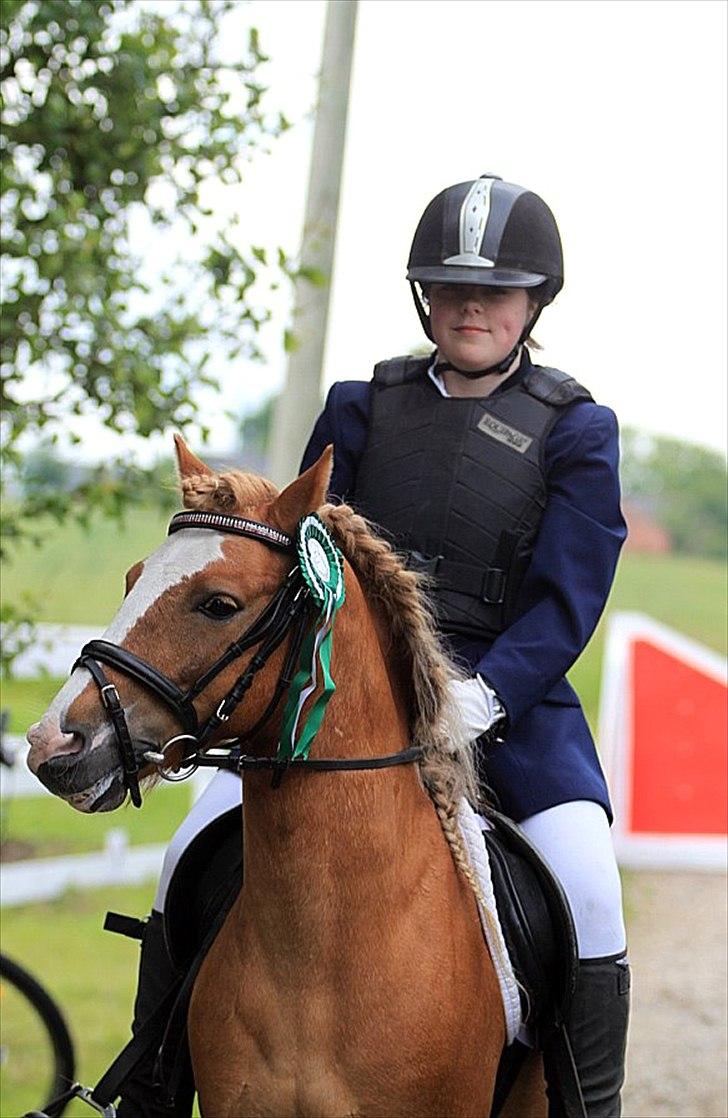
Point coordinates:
pixel 613 110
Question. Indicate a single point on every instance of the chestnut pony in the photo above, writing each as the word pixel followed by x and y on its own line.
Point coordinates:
pixel 350 977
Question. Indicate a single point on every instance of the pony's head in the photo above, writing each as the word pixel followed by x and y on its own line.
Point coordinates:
pixel 183 607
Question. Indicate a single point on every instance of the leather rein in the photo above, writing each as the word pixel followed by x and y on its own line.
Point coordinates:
pixel 287 612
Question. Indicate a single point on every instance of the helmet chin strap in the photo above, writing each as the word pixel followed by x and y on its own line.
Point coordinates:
pixel 474 374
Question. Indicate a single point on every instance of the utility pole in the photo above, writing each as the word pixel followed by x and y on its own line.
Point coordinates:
pixel 300 399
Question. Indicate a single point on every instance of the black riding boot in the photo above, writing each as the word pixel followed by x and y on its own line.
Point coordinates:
pixel 597 1028
pixel 141 1097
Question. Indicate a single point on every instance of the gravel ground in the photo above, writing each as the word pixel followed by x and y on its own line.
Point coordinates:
pixel 678 1040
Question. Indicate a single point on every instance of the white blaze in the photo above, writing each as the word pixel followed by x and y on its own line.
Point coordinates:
pixel 180 556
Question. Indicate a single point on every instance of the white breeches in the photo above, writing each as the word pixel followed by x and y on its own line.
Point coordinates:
pixel 574 839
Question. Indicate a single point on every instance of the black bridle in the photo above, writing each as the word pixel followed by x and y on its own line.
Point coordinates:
pixel 286 613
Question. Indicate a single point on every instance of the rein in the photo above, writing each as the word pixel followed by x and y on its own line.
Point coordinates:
pixel 232 759
pixel 286 613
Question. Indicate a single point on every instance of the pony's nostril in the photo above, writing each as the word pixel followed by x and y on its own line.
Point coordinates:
pixel 76 743
pixel 48 742
pixel 67 742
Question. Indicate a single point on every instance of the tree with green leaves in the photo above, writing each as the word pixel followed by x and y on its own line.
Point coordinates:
pixel 684 486
pixel 119 116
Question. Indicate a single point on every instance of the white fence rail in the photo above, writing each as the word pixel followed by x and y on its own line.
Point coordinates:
pixel 28 881
pixel 18 781
pixel 43 879
pixel 54 649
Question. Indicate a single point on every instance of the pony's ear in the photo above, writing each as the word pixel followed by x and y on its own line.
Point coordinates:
pixel 189 464
pixel 306 494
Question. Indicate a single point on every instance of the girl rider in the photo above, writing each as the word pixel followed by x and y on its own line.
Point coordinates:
pixel 500 478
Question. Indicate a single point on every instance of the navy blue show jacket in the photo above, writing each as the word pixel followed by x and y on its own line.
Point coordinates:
pixel 548 756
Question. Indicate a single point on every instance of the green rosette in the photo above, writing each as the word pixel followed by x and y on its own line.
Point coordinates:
pixel 320 561
pixel 322 567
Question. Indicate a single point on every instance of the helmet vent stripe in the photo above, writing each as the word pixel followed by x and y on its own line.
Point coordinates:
pixel 474 214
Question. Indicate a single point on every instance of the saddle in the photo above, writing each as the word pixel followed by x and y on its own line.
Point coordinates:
pixel 541 939
pixel 536 920
pixel 533 910
pixel 204 885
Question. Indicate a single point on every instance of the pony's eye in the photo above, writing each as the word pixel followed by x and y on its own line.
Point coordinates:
pixel 219 607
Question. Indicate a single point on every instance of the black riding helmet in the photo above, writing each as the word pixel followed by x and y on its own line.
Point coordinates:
pixel 489 233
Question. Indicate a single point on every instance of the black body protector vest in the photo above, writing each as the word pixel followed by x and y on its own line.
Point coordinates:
pixel 459 483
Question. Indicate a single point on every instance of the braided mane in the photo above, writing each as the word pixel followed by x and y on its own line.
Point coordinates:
pixel 446 769
pixel 416 644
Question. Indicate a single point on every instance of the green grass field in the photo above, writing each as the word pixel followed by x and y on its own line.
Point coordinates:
pixel 42 826
pixel 77 577
pixel 90 973
pixel 80 579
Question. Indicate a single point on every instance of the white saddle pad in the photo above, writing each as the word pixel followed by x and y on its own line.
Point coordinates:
pixel 472 827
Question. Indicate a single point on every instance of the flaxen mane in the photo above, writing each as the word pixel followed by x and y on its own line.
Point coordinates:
pixel 447 767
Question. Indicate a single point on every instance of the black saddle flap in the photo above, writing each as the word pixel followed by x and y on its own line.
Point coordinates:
pixel 203 889
pixel 536 919
pixel 206 881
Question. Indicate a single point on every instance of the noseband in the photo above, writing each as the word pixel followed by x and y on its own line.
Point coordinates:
pixel 286 612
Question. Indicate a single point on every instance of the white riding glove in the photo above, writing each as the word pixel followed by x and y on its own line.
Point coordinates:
pixel 477 704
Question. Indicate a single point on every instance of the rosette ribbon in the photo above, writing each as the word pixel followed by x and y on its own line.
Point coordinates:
pixel 322 568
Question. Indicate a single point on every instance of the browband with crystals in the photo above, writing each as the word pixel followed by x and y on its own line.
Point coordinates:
pixel 235 525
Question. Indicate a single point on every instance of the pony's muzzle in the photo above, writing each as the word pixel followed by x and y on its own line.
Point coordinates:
pixel 90 779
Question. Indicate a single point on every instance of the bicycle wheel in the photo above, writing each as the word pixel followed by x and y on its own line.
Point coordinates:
pixel 36 1051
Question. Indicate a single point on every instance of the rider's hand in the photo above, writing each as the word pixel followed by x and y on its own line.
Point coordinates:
pixel 477 704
